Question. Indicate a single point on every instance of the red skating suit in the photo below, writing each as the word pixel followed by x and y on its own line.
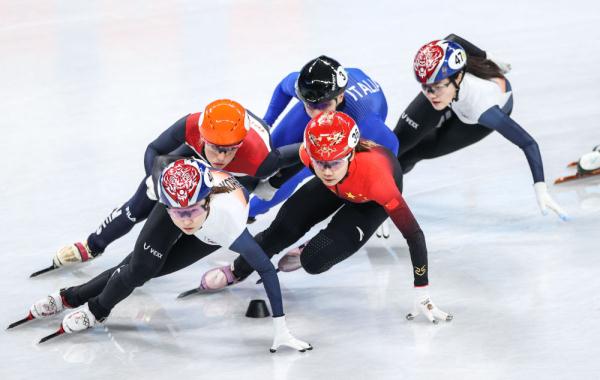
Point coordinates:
pixel 375 175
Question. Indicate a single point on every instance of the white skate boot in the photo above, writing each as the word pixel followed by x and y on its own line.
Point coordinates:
pixel 79 320
pixel 43 308
pixel 72 254
pixel 589 162
pixel 47 306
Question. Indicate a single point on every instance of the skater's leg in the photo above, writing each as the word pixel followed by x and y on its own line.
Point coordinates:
pixel 349 229
pixel 151 251
pixel 311 204
pixel 121 220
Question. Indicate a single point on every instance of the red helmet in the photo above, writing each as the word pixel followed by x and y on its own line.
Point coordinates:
pixel 224 122
pixel 331 136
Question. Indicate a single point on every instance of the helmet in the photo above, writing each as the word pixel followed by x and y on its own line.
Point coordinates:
pixel 330 136
pixel 184 183
pixel 224 122
pixel 321 79
pixel 438 60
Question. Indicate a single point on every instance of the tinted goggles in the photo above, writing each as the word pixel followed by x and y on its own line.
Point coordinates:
pixel 190 212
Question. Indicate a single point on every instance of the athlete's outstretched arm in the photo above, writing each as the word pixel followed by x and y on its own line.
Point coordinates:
pixel 284 92
pixel 280 165
pixel 496 119
pixel 405 221
pixel 387 193
pixel 277 159
pixel 167 142
pixel 249 249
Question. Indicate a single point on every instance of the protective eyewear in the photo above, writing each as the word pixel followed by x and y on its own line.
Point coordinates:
pixel 190 212
pixel 223 148
pixel 333 164
pixel 434 89
pixel 319 106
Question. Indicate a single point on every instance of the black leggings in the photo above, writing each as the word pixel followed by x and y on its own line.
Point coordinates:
pixel 346 233
pixel 160 249
pixel 425 133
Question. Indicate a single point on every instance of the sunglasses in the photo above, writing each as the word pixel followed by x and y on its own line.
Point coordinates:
pixel 190 212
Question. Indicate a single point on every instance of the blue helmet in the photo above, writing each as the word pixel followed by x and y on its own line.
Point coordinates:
pixel 439 60
pixel 184 183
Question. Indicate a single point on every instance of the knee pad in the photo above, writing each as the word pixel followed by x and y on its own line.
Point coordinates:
pixel 314 258
pixel 323 252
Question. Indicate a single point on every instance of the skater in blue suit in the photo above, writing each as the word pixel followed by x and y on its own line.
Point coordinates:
pixel 322 85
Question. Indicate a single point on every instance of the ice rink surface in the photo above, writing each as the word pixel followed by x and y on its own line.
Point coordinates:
pixel 85 86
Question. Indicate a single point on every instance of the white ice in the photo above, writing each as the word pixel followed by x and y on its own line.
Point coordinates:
pixel 85 86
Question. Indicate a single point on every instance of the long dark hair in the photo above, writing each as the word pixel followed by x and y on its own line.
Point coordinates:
pixel 483 68
pixel 365 145
pixel 228 185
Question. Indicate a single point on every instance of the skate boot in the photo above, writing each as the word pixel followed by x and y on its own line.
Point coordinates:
pixel 291 261
pixel 218 278
pixel 79 320
pixel 71 254
pixel 589 162
pixel 43 308
pixel 48 306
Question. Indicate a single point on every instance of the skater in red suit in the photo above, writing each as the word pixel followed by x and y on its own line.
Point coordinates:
pixel 359 183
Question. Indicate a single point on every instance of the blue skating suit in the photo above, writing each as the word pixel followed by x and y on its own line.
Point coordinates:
pixel 364 101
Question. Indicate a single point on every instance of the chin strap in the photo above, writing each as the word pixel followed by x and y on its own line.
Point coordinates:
pixel 456 85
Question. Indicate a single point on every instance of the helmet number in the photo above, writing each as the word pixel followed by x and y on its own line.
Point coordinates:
pixel 341 76
pixel 457 59
pixel 354 137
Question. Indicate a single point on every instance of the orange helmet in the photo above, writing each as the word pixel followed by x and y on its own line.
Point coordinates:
pixel 224 122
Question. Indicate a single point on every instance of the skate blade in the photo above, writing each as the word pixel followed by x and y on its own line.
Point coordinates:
pixel 60 331
pixel 21 321
pixel 577 176
pixel 42 271
pixel 198 291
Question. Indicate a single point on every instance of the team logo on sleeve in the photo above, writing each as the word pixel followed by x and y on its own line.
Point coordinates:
pixel 180 182
pixel 421 271
pixel 428 59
